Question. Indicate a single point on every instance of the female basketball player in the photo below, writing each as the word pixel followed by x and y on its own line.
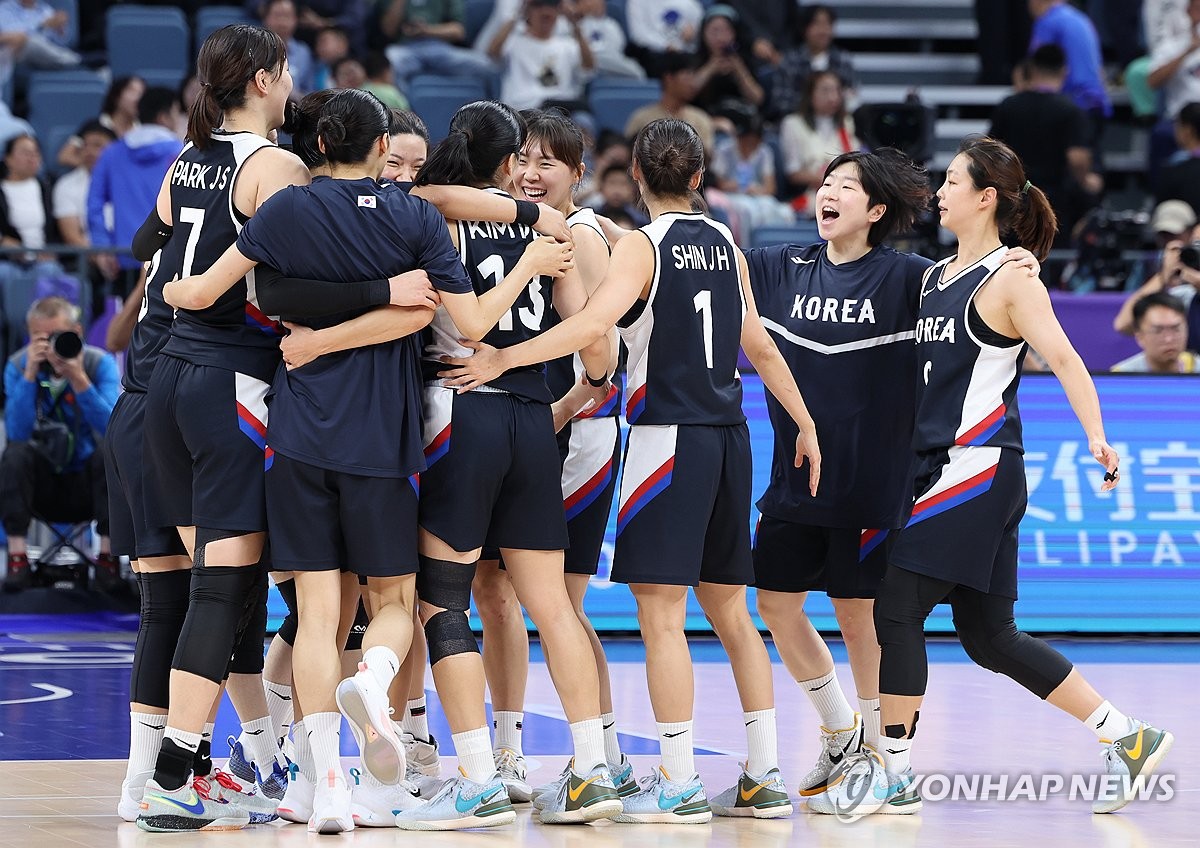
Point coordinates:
pixel 680 291
pixel 978 314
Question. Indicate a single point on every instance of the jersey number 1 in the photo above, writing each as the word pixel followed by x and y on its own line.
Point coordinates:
pixel 703 302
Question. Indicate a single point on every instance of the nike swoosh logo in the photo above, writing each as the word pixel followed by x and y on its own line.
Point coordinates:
pixel 280 697
pixel 578 790
pixel 890 751
pixel 822 686
pixel 196 808
pixel 751 721
pixel 252 732
pixel 666 802
pixel 152 726
pixel 673 735
pixel 746 796
pixel 1135 752
pixel 1100 724
pixel 607 726
pixel 836 758
pixel 463 805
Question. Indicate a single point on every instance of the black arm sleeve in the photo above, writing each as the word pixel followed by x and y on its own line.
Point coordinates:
pixel 151 236
pixel 298 298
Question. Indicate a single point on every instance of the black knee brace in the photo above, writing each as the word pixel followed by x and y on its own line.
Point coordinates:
pixel 993 642
pixel 447 585
pixel 358 629
pixel 248 652
pixel 287 630
pixel 164 607
pixel 219 597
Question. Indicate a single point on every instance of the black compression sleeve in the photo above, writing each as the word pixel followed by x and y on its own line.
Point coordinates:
pixel 300 298
pixel 151 236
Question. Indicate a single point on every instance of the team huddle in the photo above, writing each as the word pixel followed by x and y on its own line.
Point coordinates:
pixel 439 363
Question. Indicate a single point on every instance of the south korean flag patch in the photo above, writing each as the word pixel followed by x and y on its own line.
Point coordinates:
pixel 367 200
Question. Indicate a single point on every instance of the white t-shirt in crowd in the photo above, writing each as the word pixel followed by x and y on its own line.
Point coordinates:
pixel 70 197
pixel 662 25
pixel 26 212
pixel 1184 87
pixel 540 69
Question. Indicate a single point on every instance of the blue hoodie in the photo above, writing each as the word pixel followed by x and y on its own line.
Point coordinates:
pixel 129 175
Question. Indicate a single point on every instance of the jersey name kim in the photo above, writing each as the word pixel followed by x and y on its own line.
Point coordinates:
pixel 939 329
pixel 708 257
pixel 195 175
pixel 495 231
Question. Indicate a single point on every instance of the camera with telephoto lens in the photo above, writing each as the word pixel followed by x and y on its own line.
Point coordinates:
pixel 1189 256
pixel 66 344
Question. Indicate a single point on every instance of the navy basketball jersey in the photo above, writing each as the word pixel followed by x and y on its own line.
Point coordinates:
pixel 846 332
pixel 566 371
pixel 489 251
pixel 153 326
pixel 683 346
pixel 233 333
pixel 966 386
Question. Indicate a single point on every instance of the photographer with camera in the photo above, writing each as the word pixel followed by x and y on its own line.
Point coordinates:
pixel 60 394
pixel 1179 277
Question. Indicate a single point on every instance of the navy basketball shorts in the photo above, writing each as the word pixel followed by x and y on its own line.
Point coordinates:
pixel 129 533
pixel 492 476
pixel 684 514
pixel 206 451
pixel 965 517
pixel 323 520
pixel 591 451
pixel 842 562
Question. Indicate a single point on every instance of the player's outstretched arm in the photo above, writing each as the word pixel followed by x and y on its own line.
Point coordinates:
pixel 463 203
pixel 302 345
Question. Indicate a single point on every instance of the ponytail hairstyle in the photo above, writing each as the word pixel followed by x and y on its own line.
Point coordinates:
pixel 669 154
pixel 406 122
pixel 301 123
pixel 558 136
pixel 1023 212
pixel 229 60
pixel 893 179
pixel 351 121
pixel 482 135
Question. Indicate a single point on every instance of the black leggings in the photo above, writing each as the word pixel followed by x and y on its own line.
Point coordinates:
pixel 984 624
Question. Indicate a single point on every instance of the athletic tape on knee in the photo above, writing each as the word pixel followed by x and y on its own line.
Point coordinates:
pixel 164 606
pixel 448 634
pixel 358 629
pixel 445 584
pixel 215 616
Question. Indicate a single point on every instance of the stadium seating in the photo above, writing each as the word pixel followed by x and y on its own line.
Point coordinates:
pixel 612 101
pixel 211 18
pixel 152 42
pixel 61 101
pixel 71 7
pixel 475 15
pixel 436 99
pixel 801 233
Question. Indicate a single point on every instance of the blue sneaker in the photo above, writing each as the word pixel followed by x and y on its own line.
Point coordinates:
pixel 258 797
pixel 660 800
pixel 239 764
pixel 462 804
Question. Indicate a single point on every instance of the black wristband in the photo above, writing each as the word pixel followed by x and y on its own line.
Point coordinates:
pixel 528 213
pixel 595 384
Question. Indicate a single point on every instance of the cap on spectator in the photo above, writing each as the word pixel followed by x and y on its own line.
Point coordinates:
pixel 1172 216
pixel 721 10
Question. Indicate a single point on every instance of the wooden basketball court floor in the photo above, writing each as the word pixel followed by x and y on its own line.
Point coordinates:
pixel 60 770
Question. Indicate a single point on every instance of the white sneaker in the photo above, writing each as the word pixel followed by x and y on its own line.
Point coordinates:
pixel 364 703
pixel 836 747
pixel 297 803
pixel 373 804
pixel 129 807
pixel 515 775
pixel 331 805
pixel 424 764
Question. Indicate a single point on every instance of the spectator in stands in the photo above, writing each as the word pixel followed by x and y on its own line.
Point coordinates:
pixel 618 197
pixel 128 176
pixel 1175 62
pixel 541 67
pixel 1180 180
pixel 607 40
pixel 381 81
pixel 772 27
pixel 332 46
pixel 504 11
pixel 678 90
pixel 11 125
pixel 1058 22
pixel 744 170
pixel 658 28
pixel 348 72
pixel 1171 221
pixel 816 53
pixel 1179 276
pixel 1160 328
pixel 1050 134
pixel 71 191
pixel 815 135
pixel 26 209
pixel 349 16
pixel 281 18
pixel 118 112
pixel 610 148
pixel 32 34
pixel 426 38
pixel 1004 29
pixel 724 79
pixel 57 410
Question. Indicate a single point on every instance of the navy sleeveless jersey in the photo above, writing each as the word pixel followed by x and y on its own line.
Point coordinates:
pixel 233 333
pixel 846 332
pixel 153 326
pixel 683 346
pixel 356 411
pixel 563 373
pixel 489 251
pixel 966 388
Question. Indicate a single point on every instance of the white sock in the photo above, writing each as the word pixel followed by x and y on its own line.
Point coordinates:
pixel 324 738
pixel 895 754
pixel 612 746
pixel 415 720
pixel 830 702
pixel 1108 723
pixel 258 740
pixel 190 741
pixel 474 750
pixel 588 737
pixel 761 740
pixel 304 754
pixel 508 730
pixel 145 738
pixel 869 710
pixel 382 662
pixel 675 746
pixel 279 703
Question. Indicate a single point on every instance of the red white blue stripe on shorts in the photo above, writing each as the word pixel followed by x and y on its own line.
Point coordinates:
pixel 967 475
